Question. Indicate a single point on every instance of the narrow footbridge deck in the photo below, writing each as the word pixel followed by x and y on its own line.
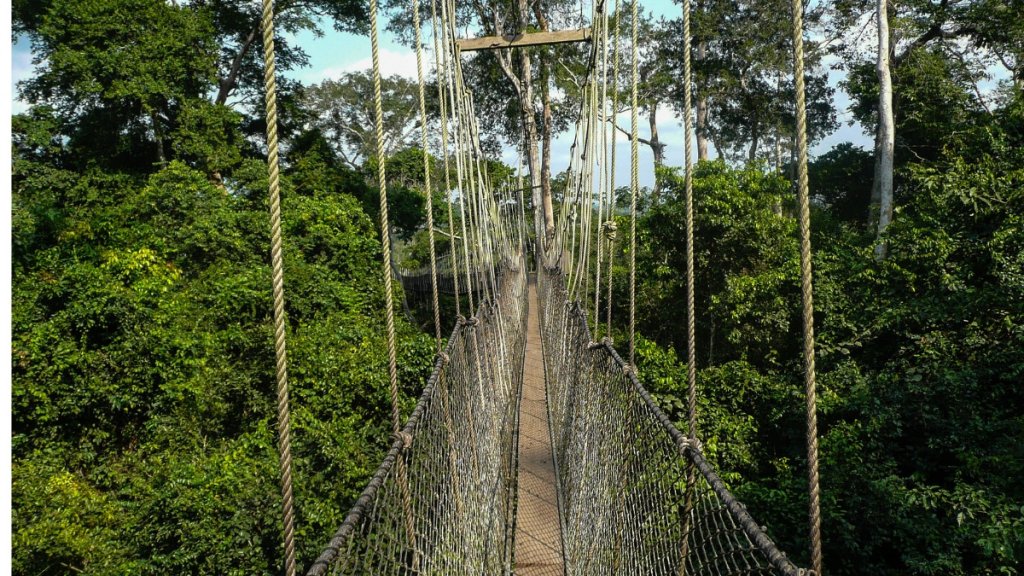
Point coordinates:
pixel 538 534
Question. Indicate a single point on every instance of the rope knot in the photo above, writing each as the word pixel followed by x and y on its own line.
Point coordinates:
pixel 472 321
pixel 692 444
pixel 594 345
pixel 610 229
pixel 405 437
pixel 445 358
pixel 607 341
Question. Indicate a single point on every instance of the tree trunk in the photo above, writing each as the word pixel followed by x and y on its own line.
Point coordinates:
pixel 657 149
pixel 545 170
pixel 755 135
pixel 876 195
pixel 702 110
pixel 886 129
pixel 158 136
pixel 718 148
pixel 530 129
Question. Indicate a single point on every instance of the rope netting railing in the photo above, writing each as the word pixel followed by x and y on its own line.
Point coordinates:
pixel 622 467
pixel 459 448
pixel 450 275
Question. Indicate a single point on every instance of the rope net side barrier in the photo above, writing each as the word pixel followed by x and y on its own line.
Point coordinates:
pixel 622 467
pixel 459 451
pixel 450 276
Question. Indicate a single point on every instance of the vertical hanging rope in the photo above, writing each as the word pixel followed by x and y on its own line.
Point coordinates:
pixel 277 265
pixel 806 289
pixel 426 175
pixel 603 160
pixel 691 340
pixel 691 330
pixel 634 184
pixel 610 227
pixel 389 312
pixel 440 71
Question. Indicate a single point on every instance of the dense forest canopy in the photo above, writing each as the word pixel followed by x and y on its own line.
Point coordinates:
pixel 142 361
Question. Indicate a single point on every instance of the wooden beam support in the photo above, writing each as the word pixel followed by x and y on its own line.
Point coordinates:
pixel 520 40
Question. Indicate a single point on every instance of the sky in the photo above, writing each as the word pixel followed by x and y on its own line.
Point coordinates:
pixel 337 53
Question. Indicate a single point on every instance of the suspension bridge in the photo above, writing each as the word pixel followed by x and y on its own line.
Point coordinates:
pixel 533 448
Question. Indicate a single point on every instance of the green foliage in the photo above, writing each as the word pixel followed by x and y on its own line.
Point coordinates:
pixel 841 181
pixel 143 399
pixel 745 262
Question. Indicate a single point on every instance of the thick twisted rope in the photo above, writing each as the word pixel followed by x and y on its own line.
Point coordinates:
pixel 389 312
pixel 806 289
pixel 277 265
pixel 691 331
pixel 610 230
pixel 440 71
pixel 428 190
pixel 603 22
pixel 634 186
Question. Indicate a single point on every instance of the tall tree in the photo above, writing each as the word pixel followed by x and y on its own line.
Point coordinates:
pixel 345 116
pixel 125 75
pixel 513 88
pixel 958 41
pixel 743 77
pixel 886 129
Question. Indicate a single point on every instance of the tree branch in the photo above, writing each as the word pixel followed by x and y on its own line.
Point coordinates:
pixel 629 134
pixel 227 84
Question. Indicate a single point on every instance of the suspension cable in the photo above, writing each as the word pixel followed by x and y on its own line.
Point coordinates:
pixel 426 174
pixel 440 71
pixel 806 290
pixel 277 265
pixel 634 185
pixel 389 313
pixel 610 228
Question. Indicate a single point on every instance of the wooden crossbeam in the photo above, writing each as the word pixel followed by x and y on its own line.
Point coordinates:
pixel 519 40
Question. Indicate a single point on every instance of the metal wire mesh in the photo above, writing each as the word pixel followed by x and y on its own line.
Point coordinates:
pixel 622 468
pixel 442 502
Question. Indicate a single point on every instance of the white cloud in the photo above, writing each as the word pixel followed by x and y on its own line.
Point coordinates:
pixel 392 62
pixel 400 62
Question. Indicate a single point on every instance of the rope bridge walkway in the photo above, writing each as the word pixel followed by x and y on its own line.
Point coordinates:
pixel 533 448
pixel 538 545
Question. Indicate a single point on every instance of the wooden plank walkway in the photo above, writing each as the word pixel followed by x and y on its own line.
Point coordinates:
pixel 538 546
